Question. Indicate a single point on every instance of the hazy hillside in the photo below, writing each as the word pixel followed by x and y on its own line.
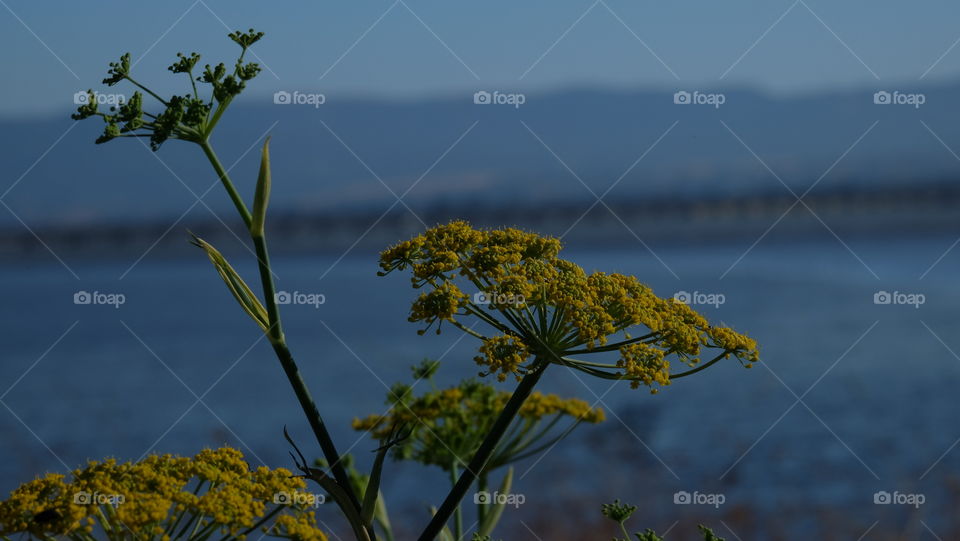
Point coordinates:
pixel 597 134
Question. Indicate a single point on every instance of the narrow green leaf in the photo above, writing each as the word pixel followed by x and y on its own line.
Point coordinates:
pixel 262 197
pixel 372 492
pixel 382 516
pixel 496 510
pixel 244 295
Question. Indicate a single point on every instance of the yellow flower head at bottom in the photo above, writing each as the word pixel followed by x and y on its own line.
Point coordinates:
pixel 216 489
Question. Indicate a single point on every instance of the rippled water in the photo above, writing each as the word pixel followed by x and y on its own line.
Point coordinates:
pixel 852 397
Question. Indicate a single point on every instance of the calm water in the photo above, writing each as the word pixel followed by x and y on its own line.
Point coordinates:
pixel 877 382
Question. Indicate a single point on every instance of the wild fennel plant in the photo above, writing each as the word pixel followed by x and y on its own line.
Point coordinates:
pixel 542 310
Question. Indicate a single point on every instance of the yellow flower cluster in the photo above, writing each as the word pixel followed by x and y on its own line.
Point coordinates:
pixel 503 354
pixel 539 405
pixel 440 304
pixel 546 308
pixel 161 496
pixel 447 425
pixel 301 527
pixel 644 363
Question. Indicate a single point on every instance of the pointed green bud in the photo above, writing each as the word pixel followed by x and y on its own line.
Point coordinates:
pixel 262 197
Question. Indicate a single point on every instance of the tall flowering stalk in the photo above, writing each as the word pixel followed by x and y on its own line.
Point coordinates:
pixel 192 118
pixel 540 310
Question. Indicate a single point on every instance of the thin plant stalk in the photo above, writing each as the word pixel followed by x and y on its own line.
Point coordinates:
pixel 480 459
pixel 458 513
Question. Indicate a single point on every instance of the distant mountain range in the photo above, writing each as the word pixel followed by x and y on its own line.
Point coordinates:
pixel 345 154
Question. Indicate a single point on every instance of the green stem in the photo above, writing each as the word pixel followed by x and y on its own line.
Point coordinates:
pixel 612 347
pixel 479 461
pixel 458 513
pixel 703 366
pixel 269 290
pixel 482 484
pixel 293 373
pixel 227 183
pixel 148 91
pixel 221 107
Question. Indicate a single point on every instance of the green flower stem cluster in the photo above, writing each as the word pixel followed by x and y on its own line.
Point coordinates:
pixel 214 493
pixel 620 513
pixel 445 427
pixel 188 117
pixel 192 118
pixel 544 310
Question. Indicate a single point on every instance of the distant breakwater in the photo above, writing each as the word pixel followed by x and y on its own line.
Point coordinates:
pixel 889 210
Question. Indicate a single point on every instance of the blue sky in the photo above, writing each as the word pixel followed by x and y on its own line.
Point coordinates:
pixel 418 49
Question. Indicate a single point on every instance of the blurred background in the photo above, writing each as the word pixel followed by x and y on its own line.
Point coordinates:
pixel 790 168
